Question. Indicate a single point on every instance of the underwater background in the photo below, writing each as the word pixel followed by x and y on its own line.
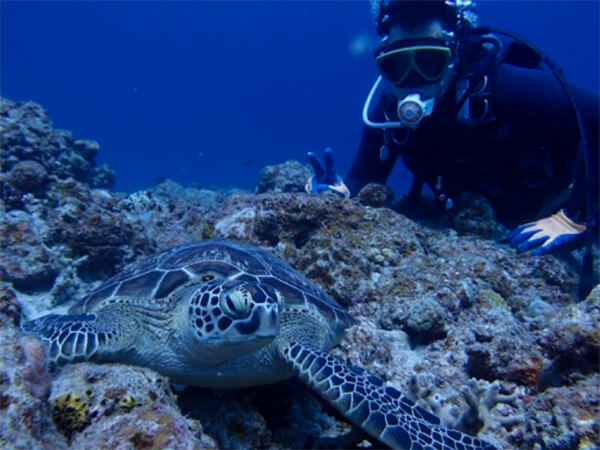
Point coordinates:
pixel 210 92
pixel 216 94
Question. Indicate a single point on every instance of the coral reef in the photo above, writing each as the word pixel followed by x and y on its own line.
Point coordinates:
pixel 110 405
pixel 34 155
pixel 497 336
pixel 290 176
pixel 375 195
pixel 26 262
pixel 482 398
pixel 24 388
pixel 285 415
pixel 147 427
pixel 60 228
pixel 473 214
pixel 571 340
pixel 169 212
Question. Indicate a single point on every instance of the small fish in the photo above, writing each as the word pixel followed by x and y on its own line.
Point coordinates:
pixel 247 161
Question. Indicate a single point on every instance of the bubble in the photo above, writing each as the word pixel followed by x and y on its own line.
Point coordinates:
pixel 362 44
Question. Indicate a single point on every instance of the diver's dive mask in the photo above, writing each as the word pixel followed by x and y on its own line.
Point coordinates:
pixel 418 75
pixel 428 62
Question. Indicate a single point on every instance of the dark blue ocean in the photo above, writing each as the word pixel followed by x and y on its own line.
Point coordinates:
pixel 210 92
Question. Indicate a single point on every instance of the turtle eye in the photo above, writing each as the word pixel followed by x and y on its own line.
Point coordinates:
pixel 236 302
pixel 207 277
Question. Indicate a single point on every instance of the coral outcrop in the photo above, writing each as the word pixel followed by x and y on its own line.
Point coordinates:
pixel 497 340
pixel 25 413
pixel 290 176
pixel 111 406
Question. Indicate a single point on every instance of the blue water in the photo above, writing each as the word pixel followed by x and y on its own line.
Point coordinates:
pixel 210 92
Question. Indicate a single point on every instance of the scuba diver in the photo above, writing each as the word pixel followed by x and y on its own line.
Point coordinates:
pixel 477 109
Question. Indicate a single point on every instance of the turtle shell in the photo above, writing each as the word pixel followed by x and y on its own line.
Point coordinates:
pixel 153 279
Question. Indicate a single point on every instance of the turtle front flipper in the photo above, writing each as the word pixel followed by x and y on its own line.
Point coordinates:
pixel 382 411
pixel 82 337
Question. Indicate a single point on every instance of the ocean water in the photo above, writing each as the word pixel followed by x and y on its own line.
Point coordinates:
pixel 210 92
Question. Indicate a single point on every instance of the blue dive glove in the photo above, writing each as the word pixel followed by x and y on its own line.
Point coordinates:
pixel 547 234
pixel 325 178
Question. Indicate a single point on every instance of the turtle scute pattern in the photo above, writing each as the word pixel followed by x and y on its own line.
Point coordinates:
pixel 380 410
pixel 236 300
pixel 78 337
pixel 71 339
pixel 153 279
pixel 234 304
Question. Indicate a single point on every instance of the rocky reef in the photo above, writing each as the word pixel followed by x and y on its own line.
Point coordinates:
pixel 492 341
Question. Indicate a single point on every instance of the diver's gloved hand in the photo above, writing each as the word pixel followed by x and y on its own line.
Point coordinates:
pixel 547 234
pixel 325 178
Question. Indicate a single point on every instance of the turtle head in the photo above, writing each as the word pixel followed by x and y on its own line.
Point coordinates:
pixel 231 318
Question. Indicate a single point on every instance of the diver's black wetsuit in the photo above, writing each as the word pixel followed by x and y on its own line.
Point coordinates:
pixel 521 155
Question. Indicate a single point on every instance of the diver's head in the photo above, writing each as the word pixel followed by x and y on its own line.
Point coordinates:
pixel 419 51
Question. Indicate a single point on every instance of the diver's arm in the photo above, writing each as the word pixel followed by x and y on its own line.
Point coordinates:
pixel 575 208
pixel 538 101
pixel 535 98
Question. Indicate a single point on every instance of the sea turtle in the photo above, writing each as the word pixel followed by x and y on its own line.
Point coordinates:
pixel 224 314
